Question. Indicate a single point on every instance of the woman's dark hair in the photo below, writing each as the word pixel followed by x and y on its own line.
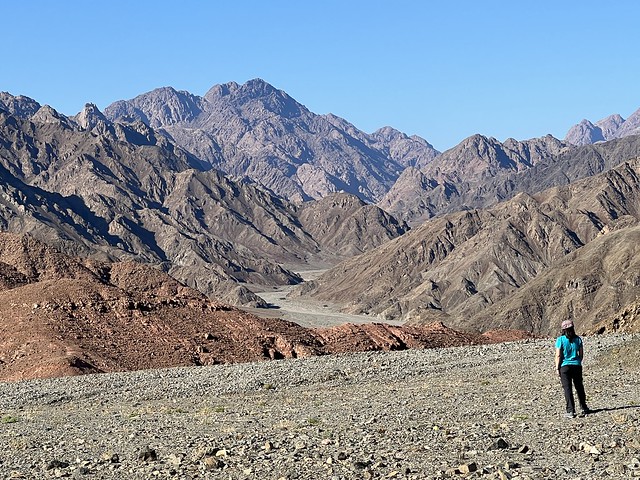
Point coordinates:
pixel 569 332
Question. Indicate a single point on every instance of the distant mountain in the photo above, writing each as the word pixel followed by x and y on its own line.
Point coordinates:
pixel 345 226
pixel 410 151
pixel 458 179
pixel 609 128
pixel 20 106
pixel 123 192
pixel 257 131
pixel 478 269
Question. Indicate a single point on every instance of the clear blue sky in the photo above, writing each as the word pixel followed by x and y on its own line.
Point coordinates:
pixel 442 70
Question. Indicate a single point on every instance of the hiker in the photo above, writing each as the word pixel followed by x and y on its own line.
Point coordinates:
pixel 569 354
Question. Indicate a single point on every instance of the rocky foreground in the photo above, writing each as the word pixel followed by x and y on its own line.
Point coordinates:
pixel 490 411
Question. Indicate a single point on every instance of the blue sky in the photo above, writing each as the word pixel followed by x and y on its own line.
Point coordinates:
pixel 441 70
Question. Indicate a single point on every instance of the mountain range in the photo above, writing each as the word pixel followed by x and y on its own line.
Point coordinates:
pixel 123 192
pixel 255 130
pixel 239 189
pixel 419 195
pixel 526 263
pixel 609 128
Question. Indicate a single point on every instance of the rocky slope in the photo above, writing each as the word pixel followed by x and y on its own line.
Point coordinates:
pixel 258 131
pixel 489 412
pixel 62 315
pixel 598 285
pixel 345 226
pixel 454 267
pixel 88 185
pixel 609 128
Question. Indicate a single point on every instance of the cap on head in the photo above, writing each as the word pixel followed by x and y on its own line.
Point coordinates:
pixel 567 324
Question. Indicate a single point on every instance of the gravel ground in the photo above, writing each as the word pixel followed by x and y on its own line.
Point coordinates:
pixel 473 412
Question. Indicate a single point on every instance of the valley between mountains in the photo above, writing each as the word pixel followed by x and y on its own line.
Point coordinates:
pixel 168 229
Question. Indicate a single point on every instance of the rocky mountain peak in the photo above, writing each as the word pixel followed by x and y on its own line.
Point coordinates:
pixel 257 131
pixel 584 133
pixel 479 152
pixel 259 87
pixel 610 125
pixel 412 151
pixel 157 108
pixel 256 93
pixel 631 126
pixel 609 128
pixel 20 106
pixel 460 177
pixel 90 117
pixel 47 114
pixel 221 90
pixel 388 133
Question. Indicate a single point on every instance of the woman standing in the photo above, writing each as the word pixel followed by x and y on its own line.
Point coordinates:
pixel 569 354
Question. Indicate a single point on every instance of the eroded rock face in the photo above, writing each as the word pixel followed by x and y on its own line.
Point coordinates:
pixel 258 131
pixel 465 268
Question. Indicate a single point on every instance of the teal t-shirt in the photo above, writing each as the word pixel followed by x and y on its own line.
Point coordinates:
pixel 569 350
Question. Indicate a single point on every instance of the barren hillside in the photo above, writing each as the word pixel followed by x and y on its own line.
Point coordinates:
pixel 454 267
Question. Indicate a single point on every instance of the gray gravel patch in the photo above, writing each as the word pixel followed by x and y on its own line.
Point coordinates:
pixel 492 411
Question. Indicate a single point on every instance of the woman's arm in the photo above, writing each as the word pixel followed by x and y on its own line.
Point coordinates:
pixel 558 359
pixel 581 353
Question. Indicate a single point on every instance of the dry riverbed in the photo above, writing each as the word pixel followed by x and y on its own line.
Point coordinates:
pixel 305 311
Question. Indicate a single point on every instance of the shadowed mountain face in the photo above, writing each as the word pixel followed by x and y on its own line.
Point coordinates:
pixel 609 128
pixel 256 131
pixel 458 267
pixel 124 192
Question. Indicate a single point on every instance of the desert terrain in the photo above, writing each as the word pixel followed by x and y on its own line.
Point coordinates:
pixel 489 411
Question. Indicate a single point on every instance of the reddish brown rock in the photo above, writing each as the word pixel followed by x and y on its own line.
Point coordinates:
pixel 61 315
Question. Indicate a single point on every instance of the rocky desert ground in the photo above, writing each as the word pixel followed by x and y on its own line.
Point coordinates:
pixel 486 411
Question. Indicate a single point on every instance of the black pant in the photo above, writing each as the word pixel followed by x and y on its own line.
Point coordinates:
pixel 573 374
